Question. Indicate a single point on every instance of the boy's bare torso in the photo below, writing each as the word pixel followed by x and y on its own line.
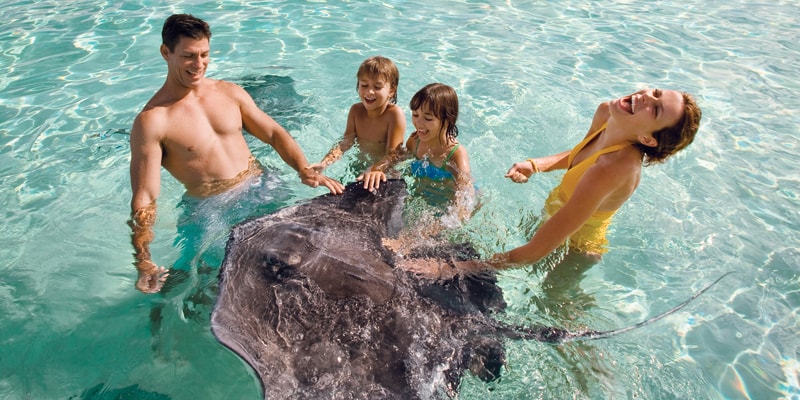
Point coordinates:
pixel 372 131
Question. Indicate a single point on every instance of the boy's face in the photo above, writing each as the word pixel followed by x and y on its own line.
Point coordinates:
pixel 374 91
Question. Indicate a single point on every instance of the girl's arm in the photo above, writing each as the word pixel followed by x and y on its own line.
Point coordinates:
pixel 465 189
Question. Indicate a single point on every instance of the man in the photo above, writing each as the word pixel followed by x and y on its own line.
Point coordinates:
pixel 193 128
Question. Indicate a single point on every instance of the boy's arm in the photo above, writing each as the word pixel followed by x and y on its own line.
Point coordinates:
pixel 395 153
pixel 396 132
pixel 338 150
pixel 376 174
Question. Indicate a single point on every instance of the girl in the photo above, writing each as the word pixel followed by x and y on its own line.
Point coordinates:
pixel 440 164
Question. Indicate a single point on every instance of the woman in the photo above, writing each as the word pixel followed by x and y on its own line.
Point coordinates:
pixel 603 171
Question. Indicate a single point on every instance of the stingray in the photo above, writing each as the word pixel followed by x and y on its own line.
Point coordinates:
pixel 311 300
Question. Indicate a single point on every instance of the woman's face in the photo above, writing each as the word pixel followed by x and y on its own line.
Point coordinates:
pixel 648 110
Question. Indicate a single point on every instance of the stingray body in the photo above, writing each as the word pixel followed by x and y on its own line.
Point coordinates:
pixel 310 299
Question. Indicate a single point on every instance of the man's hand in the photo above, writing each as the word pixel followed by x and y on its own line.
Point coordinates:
pixel 151 277
pixel 318 167
pixel 314 179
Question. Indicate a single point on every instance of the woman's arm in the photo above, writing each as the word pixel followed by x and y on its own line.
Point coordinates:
pixel 522 170
pixel 598 183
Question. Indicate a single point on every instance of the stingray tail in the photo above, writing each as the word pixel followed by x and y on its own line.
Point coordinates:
pixel 558 335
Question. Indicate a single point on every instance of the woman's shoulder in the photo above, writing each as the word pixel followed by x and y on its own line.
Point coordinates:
pixel 603 110
pixel 623 164
pixel 601 115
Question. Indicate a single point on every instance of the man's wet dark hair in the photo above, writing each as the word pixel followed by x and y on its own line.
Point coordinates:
pixel 187 25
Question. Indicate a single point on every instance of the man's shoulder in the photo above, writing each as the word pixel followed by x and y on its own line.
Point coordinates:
pixel 154 114
pixel 154 109
pixel 223 86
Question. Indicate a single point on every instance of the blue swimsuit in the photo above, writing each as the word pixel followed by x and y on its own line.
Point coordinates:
pixel 425 168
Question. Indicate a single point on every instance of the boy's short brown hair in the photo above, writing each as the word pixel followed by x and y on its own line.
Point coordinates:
pixel 378 66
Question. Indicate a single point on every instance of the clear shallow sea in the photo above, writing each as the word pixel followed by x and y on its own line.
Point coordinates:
pixel 529 74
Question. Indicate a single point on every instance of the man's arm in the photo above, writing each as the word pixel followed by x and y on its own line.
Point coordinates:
pixel 262 126
pixel 145 171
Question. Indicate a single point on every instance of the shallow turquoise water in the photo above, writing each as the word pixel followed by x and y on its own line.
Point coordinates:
pixel 529 74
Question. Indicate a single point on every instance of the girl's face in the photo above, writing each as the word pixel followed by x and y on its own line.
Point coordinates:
pixel 429 126
pixel 375 92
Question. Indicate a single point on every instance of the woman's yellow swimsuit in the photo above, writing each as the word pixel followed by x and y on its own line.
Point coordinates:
pixel 591 237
